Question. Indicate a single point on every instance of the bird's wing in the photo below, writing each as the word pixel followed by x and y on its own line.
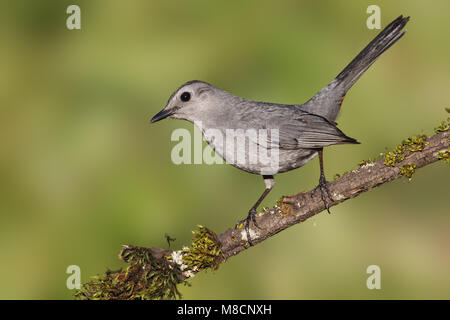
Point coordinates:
pixel 294 128
pixel 308 131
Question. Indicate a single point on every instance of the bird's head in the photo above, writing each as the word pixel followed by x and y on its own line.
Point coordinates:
pixel 192 101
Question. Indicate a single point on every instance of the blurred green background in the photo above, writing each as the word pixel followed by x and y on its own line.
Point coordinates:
pixel 82 172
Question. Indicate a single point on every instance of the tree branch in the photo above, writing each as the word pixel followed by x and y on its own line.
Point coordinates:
pixel 155 273
pixel 298 208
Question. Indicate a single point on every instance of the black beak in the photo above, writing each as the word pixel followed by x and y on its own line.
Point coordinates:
pixel 162 115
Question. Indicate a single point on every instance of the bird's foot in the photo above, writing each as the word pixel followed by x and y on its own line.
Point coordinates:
pixel 246 222
pixel 324 191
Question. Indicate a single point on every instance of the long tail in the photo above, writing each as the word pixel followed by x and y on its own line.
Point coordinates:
pixel 327 102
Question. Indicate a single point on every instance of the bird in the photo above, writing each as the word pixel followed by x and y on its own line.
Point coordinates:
pixel 298 133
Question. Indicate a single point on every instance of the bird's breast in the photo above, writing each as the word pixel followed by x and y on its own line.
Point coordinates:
pixel 252 151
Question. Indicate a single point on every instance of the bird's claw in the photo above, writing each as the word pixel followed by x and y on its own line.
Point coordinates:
pixel 323 186
pixel 251 217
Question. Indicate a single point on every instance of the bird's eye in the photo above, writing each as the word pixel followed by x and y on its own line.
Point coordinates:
pixel 185 96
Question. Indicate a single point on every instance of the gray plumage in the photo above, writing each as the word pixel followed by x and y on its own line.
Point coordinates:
pixel 303 129
pixel 301 133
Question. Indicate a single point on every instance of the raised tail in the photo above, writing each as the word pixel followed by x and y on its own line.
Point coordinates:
pixel 327 102
pixel 383 41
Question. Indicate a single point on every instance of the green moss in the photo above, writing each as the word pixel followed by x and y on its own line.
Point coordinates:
pixel 337 175
pixel 416 143
pixel 398 154
pixel 284 208
pixel 445 155
pixel 152 273
pixel 240 226
pixel 444 126
pixel 363 163
pixel 280 201
pixel 205 251
pixel 408 170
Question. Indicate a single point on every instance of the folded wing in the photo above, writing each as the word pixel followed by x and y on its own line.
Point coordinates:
pixel 309 131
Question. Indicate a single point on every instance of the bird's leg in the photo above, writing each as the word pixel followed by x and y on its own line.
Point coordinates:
pixel 269 182
pixel 323 183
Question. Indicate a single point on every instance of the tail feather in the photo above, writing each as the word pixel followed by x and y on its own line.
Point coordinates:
pixel 327 102
pixel 383 41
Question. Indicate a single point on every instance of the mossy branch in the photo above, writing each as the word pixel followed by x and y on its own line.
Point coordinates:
pixel 155 273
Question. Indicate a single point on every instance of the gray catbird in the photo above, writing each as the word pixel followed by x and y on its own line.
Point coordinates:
pixel 301 130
